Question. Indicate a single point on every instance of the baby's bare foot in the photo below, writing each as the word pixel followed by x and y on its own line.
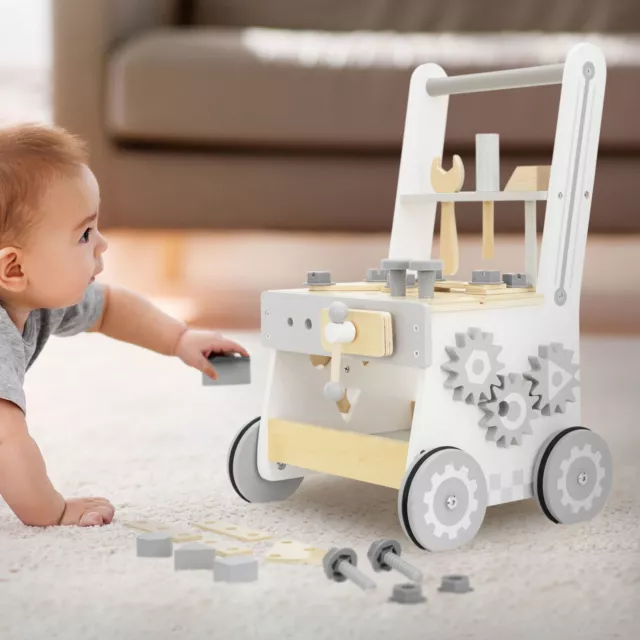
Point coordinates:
pixel 88 512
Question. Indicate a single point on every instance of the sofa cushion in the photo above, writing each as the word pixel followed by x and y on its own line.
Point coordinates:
pixel 598 16
pixel 315 90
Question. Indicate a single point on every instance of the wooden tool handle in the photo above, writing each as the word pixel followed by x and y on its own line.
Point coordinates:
pixel 487 230
pixel 448 239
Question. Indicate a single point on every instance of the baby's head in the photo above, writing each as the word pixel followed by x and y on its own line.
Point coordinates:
pixel 50 247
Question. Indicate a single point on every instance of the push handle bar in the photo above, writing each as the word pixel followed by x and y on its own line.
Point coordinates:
pixel 494 80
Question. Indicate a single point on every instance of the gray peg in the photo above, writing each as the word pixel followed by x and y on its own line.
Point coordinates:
pixel 384 555
pixel 427 274
pixel 341 564
pixel 397 276
pixel 338 312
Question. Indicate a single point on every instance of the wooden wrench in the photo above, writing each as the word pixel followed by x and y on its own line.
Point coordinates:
pixel 448 182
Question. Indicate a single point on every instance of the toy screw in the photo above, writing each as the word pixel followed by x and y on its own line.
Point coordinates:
pixel 397 276
pixel 427 274
pixel 341 565
pixel 384 555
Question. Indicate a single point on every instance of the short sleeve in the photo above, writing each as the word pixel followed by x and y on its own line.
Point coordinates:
pixel 12 363
pixel 82 316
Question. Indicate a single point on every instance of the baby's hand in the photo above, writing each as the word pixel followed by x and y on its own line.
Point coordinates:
pixel 195 346
pixel 88 512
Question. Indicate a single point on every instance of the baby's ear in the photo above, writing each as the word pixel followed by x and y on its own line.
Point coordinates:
pixel 12 276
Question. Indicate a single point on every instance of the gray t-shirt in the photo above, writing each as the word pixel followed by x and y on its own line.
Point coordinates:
pixel 19 352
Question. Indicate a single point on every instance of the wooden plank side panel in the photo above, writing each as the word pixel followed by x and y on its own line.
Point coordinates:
pixel 347 454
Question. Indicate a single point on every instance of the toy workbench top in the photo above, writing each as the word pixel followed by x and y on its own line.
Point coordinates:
pixel 449 295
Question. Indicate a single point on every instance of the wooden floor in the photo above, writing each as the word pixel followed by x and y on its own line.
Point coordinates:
pixel 216 278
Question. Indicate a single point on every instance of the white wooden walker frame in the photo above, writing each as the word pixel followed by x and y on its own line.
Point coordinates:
pixel 469 405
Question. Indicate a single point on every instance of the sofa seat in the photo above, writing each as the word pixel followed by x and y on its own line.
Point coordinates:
pixel 279 89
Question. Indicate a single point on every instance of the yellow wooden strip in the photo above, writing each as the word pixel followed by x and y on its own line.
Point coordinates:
pixel 358 456
pixel 232 530
pixel 372 333
pixel 226 549
pixel 349 286
pixel 178 534
pixel 530 299
pixel 293 552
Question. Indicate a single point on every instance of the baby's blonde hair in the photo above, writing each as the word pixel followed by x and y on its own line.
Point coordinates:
pixel 31 157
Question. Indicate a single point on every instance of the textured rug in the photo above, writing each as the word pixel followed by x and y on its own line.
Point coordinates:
pixel 140 429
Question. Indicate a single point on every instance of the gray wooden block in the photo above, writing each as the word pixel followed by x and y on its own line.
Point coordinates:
pixel 232 369
pixel 154 545
pixel 194 556
pixel 235 569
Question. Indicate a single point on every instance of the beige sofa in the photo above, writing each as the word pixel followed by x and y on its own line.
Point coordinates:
pixel 227 114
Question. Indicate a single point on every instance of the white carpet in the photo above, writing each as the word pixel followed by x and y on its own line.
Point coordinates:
pixel 138 428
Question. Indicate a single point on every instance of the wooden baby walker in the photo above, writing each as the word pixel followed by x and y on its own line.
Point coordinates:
pixel 460 395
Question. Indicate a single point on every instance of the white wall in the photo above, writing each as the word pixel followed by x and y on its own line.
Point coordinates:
pixel 25 33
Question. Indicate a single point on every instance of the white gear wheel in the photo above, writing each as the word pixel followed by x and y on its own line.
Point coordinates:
pixel 553 377
pixel 453 530
pixel 473 366
pixel 509 413
pixel 587 503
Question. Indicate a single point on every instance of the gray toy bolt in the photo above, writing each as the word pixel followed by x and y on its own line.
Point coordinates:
pixel 384 555
pixel 341 564
pixel 376 275
pixel 427 274
pixel 397 276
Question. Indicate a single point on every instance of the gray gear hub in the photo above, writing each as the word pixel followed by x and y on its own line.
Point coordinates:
pixel 509 413
pixel 553 377
pixel 473 366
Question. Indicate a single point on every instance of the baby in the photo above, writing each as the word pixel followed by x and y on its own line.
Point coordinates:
pixel 50 254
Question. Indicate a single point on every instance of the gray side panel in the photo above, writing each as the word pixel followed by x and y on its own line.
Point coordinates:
pixel 292 322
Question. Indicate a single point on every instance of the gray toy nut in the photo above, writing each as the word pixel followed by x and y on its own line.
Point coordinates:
pixel 318 278
pixel 377 551
pixel 334 391
pixel 409 593
pixel 515 279
pixel 194 556
pixel 235 569
pixel 485 277
pixel 154 545
pixel 455 584
pixel 338 312
pixel 333 558
pixel 341 564
pixel 376 275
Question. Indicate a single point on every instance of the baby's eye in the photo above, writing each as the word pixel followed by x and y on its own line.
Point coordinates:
pixel 85 235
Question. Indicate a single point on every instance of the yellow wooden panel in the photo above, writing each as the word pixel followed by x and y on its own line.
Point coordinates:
pixel 294 552
pixel 529 179
pixel 347 454
pixel 374 336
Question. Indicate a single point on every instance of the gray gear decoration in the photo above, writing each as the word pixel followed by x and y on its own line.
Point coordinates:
pixel 473 366
pixel 509 413
pixel 553 378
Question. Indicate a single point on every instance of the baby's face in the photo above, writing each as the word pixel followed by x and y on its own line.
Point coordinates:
pixel 64 251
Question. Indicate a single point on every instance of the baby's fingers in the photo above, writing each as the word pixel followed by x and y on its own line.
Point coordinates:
pixel 97 516
pixel 230 346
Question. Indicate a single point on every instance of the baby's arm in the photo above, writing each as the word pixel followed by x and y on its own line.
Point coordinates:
pixel 128 317
pixel 24 483
pixel 25 486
